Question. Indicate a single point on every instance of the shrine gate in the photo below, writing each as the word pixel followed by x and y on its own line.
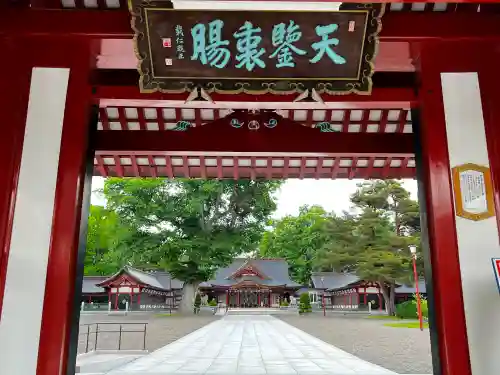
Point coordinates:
pixel 71 108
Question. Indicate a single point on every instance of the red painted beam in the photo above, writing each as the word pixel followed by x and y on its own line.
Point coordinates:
pixel 65 23
pixel 258 172
pixel 119 87
pixel 221 138
pixel 397 26
pixel 400 97
pixel 56 3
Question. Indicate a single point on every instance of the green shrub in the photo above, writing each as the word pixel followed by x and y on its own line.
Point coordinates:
pixel 423 304
pixel 212 302
pixel 304 303
pixel 407 310
pixel 197 303
pixel 425 309
pixel 284 303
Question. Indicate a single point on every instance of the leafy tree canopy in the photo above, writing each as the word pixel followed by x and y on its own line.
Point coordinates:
pixel 296 239
pixel 104 241
pixel 189 227
pixel 389 198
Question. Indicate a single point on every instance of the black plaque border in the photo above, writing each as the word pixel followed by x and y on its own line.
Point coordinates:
pixel 150 84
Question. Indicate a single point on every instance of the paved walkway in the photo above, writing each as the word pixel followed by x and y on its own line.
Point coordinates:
pixel 250 345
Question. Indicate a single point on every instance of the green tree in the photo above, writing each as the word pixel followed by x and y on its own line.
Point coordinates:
pixel 190 227
pixel 338 251
pixel 391 199
pixel 304 303
pixel 373 243
pixel 296 239
pixel 104 239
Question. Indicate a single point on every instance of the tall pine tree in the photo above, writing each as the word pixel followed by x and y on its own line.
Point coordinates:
pixel 373 243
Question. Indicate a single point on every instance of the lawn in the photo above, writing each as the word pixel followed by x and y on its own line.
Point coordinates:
pixel 406 325
pixel 383 317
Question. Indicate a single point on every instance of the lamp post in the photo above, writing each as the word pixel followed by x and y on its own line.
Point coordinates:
pixel 413 251
pixel 323 295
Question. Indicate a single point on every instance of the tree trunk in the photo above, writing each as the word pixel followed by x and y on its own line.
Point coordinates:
pixel 392 300
pixel 385 294
pixel 187 302
pixel 388 292
pixel 397 222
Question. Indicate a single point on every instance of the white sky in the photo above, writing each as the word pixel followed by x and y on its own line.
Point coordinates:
pixel 333 195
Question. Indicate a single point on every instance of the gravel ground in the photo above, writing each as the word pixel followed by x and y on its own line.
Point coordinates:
pixel 161 330
pixel 403 350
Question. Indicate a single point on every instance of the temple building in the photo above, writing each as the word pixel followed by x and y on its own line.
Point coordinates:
pixel 139 289
pixel 348 291
pixel 251 283
pixel 244 283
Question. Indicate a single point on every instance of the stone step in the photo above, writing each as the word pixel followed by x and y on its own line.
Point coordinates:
pixel 260 311
pixel 103 361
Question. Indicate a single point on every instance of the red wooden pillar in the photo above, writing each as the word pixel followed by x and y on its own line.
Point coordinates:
pixel 365 295
pixel 139 299
pixel 350 299
pixel 14 92
pixel 239 297
pixel 491 98
pixel 258 298
pixel 53 127
pixel 447 318
pixel 227 297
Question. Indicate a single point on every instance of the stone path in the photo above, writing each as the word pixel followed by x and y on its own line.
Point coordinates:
pixel 250 345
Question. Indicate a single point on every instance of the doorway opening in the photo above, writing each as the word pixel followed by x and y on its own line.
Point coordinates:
pixel 261 153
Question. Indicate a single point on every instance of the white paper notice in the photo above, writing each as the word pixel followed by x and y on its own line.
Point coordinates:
pixel 473 189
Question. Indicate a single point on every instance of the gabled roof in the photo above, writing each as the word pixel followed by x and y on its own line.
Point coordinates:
pixel 332 280
pixel 337 280
pixel 410 289
pixel 165 279
pixel 268 272
pixel 156 279
pixel 247 269
pixel 89 285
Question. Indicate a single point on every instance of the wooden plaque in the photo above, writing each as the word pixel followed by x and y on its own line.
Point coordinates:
pixel 255 51
pixel 473 192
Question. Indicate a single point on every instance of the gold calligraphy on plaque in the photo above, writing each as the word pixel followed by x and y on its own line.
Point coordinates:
pixel 473 192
